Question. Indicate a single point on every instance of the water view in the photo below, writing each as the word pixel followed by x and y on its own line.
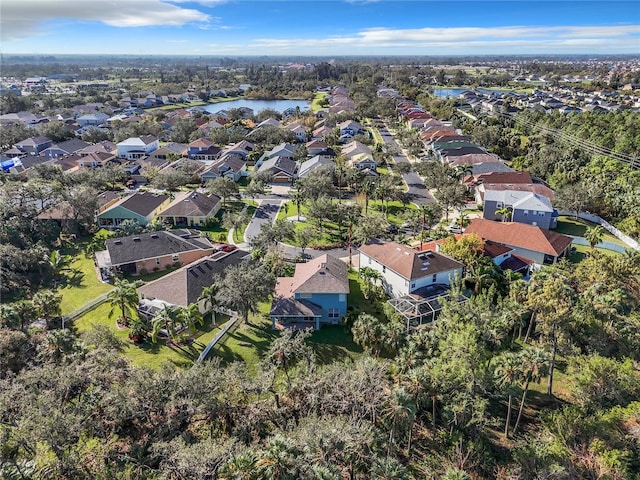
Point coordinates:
pixel 454 92
pixel 257 105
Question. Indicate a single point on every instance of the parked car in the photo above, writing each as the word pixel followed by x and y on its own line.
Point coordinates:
pixel 455 228
pixel 229 248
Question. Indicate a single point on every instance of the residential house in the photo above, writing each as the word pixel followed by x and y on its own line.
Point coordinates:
pixel 184 286
pixel 406 270
pixel 362 161
pixel 537 244
pixel 313 164
pixel 316 147
pixel 134 148
pixel 95 160
pixel 34 145
pixel 191 209
pixel 284 150
pixel 164 155
pixel 95 119
pixel 232 165
pixel 151 251
pixel 350 128
pixel 281 169
pixel 321 133
pixel 243 148
pixel 105 146
pixel 525 207
pixel 269 122
pixel 315 295
pixel 203 149
pixel 141 207
pixel 355 148
pixel 65 148
pixel 298 130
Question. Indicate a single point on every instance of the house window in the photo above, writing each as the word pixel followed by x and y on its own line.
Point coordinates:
pixel 498 204
pixel 384 269
pixel 333 313
pixel 433 279
pixel 525 212
pixel 157 261
pixel 175 258
pixel 342 297
pixel 413 284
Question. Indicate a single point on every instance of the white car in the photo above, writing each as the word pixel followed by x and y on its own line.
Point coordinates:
pixel 455 228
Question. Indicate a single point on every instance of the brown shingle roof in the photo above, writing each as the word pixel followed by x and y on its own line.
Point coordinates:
pixel 191 204
pixel 520 235
pixel 408 262
pixel 185 285
pixel 324 274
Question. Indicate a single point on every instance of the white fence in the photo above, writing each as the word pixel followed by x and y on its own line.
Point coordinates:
pixel 607 226
pixel 232 321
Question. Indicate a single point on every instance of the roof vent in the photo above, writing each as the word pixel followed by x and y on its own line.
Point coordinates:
pixel 155 235
pixel 137 239
pixel 118 242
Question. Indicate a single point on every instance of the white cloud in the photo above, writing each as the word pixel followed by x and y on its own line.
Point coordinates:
pixel 452 40
pixel 26 18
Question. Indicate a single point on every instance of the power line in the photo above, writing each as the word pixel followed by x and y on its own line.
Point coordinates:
pixel 591 147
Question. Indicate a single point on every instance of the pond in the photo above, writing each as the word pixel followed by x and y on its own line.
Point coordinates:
pixel 257 105
pixel 454 92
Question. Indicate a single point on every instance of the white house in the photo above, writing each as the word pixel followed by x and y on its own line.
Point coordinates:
pixel 134 148
pixel 406 270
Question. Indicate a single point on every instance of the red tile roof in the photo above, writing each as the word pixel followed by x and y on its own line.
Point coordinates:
pixel 408 262
pixel 520 235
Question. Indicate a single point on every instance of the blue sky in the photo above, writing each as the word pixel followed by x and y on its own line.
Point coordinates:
pixel 308 27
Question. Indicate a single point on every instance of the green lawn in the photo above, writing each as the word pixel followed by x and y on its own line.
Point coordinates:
pixel 250 341
pixel 152 355
pixel 315 103
pixel 81 284
pixel 582 251
pixel 376 135
pixel 238 233
pixel 571 226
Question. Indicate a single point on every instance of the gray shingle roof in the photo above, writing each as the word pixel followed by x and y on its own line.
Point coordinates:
pixel 185 285
pixel 130 249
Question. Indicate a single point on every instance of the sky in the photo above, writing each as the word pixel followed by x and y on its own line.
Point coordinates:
pixel 320 28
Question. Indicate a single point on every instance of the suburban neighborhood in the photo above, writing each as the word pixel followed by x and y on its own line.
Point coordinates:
pixel 407 252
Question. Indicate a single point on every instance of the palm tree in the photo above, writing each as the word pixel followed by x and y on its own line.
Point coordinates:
pixel 508 371
pixel 208 296
pixel 124 300
pixel 505 213
pixel 167 318
pixel 297 197
pixel 401 412
pixel 370 278
pixel 594 235
pixel 190 317
pixel 534 364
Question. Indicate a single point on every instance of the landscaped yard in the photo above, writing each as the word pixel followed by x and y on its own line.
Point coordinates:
pixel 153 355
pixel 250 341
pixel 571 226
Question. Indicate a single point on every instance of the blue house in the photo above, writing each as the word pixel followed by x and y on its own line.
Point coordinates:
pixel 315 295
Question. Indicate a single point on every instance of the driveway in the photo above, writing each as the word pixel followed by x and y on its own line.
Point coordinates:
pixel 417 190
pixel 265 213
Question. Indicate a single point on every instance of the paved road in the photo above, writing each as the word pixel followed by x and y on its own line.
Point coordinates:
pixel 417 190
pixel 265 213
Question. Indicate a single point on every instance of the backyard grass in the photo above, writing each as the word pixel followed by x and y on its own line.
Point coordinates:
pixel 250 341
pixel 571 226
pixel 316 102
pixel 81 283
pixel 152 355
pixel 582 251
